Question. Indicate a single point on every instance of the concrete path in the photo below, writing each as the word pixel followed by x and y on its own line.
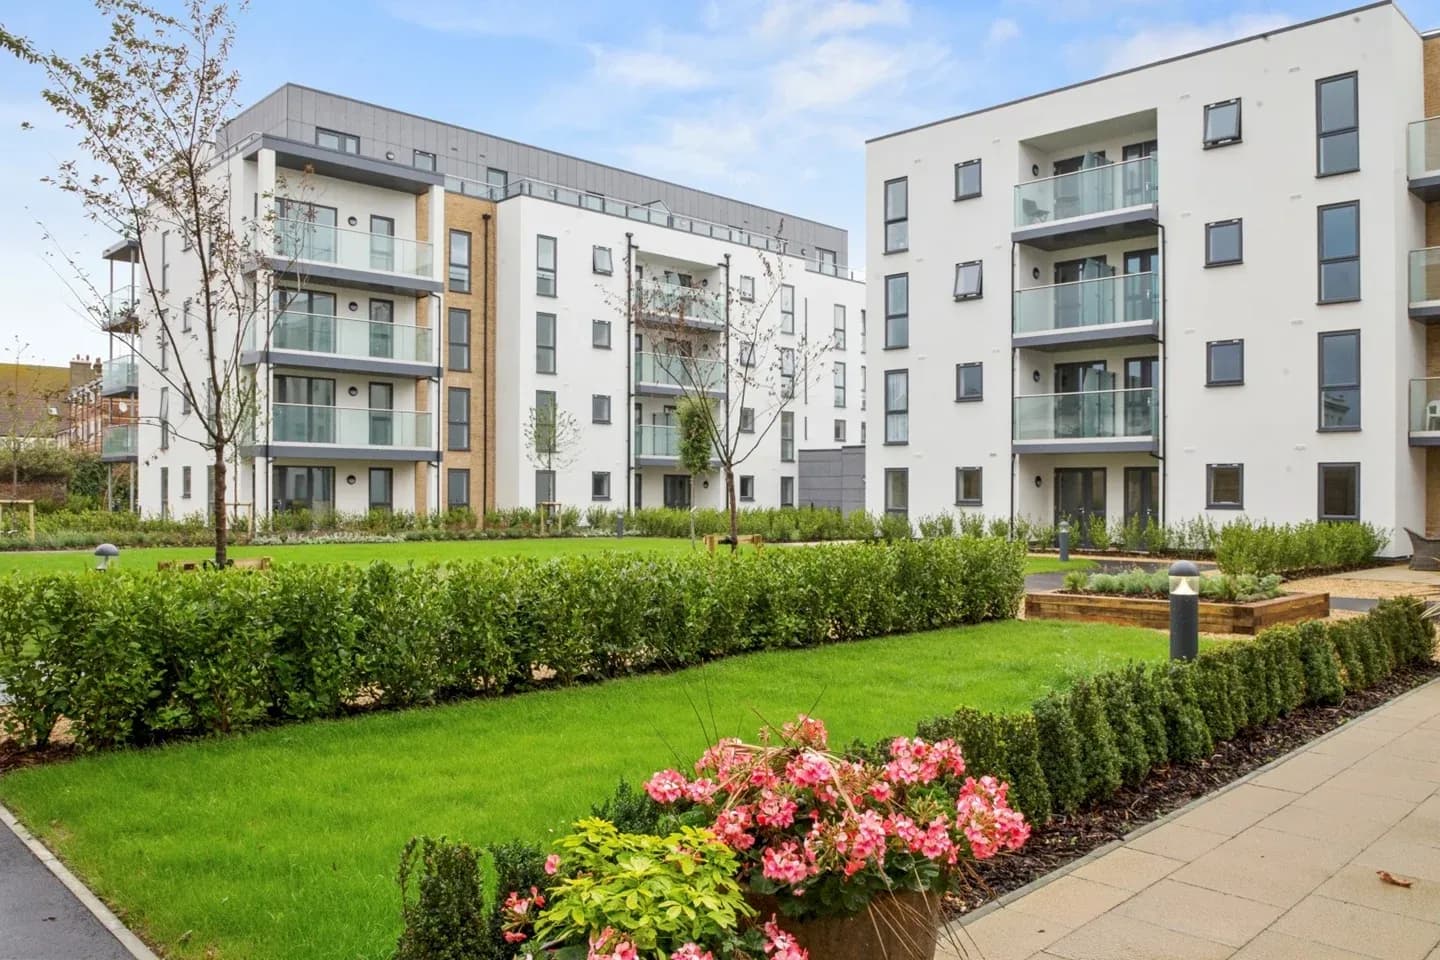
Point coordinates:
pixel 1279 866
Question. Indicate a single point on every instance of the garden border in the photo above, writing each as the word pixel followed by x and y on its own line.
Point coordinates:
pixel 1152 612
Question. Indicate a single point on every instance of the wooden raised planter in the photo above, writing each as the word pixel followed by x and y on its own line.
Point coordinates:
pixel 1247 618
pixel 898 926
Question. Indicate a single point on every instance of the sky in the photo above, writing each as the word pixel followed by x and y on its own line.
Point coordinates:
pixel 769 101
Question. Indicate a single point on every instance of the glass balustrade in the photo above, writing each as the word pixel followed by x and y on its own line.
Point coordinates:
pixel 307 241
pixel 1087 415
pixel 1123 298
pixel 1111 186
pixel 349 426
pixel 343 336
pixel 678 370
pixel 120 375
pixel 657 440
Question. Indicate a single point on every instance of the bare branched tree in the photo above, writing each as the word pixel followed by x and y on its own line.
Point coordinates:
pixel 29 410
pixel 552 438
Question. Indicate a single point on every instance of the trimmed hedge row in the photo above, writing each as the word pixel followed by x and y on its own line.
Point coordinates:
pixel 1079 746
pixel 134 659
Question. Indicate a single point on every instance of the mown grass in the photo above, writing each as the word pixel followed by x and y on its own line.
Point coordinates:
pixel 283 843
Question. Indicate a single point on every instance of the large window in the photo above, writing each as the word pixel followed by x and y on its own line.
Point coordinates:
pixel 1339 491
pixel 600 408
pixel 457 489
pixel 1224 243
pixel 787 436
pixel 897 215
pixel 969 381
pixel 544 486
pixel 1337 125
pixel 545 266
pixel 967 179
pixel 968 486
pixel 546 421
pixel 544 343
pixel 600 485
pixel 458 337
pixel 787 308
pixel 335 140
pixel 1224 486
pixel 303 488
pixel 968 276
pixel 787 491
pixel 457 419
pixel 382 488
pixel 1340 380
pixel 897 311
pixel 897 491
pixel 601 261
pixel 1224 363
pixel 839 335
pixel 1222 123
pixel 897 406
pixel 1339 227
pixel 787 372
pixel 459 261
pixel 840 385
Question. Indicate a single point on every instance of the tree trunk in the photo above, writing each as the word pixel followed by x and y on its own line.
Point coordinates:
pixel 730 508
pixel 217 496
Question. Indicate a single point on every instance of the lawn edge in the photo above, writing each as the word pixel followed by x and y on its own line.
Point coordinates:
pixel 126 937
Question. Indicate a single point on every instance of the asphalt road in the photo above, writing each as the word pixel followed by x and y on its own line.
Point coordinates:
pixel 39 918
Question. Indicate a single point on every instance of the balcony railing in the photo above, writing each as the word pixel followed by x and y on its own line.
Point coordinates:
pixel 119 306
pixel 691 304
pixel 1114 186
pixel 349 426
pixel 306 241
pixel 121 441
pixel 1423 148
pixel 1425 406
pixel 656 440
pixel 1088 415
pixel 343 336
pixel 1425 276
pixel 121 375
pixel 1124 298
pixel 677 370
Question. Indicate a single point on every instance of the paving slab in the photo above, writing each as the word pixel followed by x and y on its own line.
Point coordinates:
pixel 1362 930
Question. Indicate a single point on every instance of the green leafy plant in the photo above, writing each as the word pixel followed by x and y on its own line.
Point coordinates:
pixel 443 918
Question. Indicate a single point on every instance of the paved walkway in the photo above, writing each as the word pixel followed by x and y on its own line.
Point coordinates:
pixel 1279 866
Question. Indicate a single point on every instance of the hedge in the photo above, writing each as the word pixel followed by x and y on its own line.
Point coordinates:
pixel 138 658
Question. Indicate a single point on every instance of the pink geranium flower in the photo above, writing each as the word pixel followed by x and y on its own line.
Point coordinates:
pixel 780 945
pixel 552 864
pixel 667 786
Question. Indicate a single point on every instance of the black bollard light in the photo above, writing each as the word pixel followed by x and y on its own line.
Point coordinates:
pixel 620 524
pixel 1184 610
pixel 1062 536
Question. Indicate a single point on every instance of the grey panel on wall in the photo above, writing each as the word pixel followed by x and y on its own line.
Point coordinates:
pixel 832 478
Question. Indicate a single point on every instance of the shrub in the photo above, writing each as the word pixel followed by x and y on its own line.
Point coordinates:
pixel 442 920
pixel 1006 746
pixel 1258 547
pixel 1099 759
pixel 1186 730
pixel 514 866
pixel 1060 752
pixel 1117 699
pixel 1147 693
pixel 1320 664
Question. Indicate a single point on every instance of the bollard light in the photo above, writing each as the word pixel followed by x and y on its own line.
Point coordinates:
pixel 1184 610
pixel 1063 539
pixel 104 554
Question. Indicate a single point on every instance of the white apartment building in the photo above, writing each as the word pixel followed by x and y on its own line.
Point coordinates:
pixel 1190 288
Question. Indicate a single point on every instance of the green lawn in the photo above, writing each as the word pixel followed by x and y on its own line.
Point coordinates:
pixel 283 843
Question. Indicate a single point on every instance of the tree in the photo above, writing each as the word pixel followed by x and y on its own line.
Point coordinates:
pixel 29 414
pixel 145 106
pixel 695 416
pixel 552 440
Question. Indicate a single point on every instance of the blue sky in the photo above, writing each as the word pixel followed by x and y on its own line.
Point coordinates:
pixel 766 100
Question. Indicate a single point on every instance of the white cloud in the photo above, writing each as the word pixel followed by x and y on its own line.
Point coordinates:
pixel 1002 30
pixel 1159 41
pixel 840 71
pixel 788 18
pixel 647 68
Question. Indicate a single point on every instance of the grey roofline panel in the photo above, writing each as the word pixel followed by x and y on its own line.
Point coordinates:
pixel 1128 332
pixel 1078 231
pixel 325 361
pixel 1425 439
pixel 292 154
pixel 1145 66
pixel 1097 445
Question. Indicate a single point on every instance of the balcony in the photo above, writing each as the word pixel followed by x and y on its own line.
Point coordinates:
pixel 120 377
pixel 306 250
pixel 328 342
pixel 1092 421
pixel 1425 412
pixel 1115 201
pixel 696 307
pixel 118 314
pixel 120 443
pixel 1423 158
pixel 673 374
pixel 1425 285
pixel 656 445
pixel 1119 309
pixel 347 433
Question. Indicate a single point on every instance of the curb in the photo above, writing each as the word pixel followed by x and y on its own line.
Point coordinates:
pixel 1034 885
pixel 132 944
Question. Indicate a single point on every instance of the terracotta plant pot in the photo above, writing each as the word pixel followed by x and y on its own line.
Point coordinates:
pixel 902 926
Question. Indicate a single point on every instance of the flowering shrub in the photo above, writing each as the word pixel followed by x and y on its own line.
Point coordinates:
pixel 822 835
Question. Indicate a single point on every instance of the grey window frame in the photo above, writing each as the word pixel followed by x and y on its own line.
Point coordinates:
pixel 890 220
pixel 341 137
pixel 787 373
pixel 979 181
pixel 389 474
pixel 1322 135
pixel 746 480
pixel 454 346
pixel 787 436
pixel 1320 470
pixel 840 384
pixel 597 475
pixel 546 400
pixel 1210 380
pixel 1210 502
pixel 552 482
pixel 960 395
pixel 747 420
pixel 601 343
pixel 960 474
pixel 979 266
pixel 551 349
pixel 452 394
pixel 898 411
pixel 1206 141
pixel 164 261
pixel 164 493
pixel 164 418
pixel 504 180
pixel 552 272
pixel 901 511
pixel 746 350
pixel 185 483
pixel 787 316
pixel 452 265
pixel 1322 386
pixel 787 491
pixel 451 475
pixel 840 321
pixel 186 317
pixel 889 317
pixel 415 156
pixel 747 288
pixel 1321 260
pixel 595 261
pixel 1239 224
pixel 595 407
pixel 838 430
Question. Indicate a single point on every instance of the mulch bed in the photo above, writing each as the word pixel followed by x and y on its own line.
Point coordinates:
pixel 1068 838
pixel 13 757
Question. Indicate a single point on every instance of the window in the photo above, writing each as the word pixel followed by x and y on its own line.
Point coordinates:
pixel 304 488
pixel 186 315
pixel 967 179
pixel 839 433
pixel 1340 252
pixel 1224 243
pixel 967 486
pixel 544 343
pixel 787 372
pixel 459 261
pixel 839 326
pixel 1339 491
pixel 599 408
pixel 1224 486
pixel 422 160
pixel 600 260
pixel 1224 363
pixel 787 308
pixel 497 178
pixel 457 489
pixel 545 266
pixel 897 311
pixel 747 486
pixel 544 486
pixel 787 491
pixel 185 483
pixel 897 215
pixel 747 419
pixel 747 353
pixel 969 382
pixel 164 492
pixel 1222 123
pixel 1337 125
pixel 600 485
pixel 382 488
pixel 897 491
pixel 787 436
pixel 457 419
pixel 897 406
pixel 184 402
pixel 747 288
pixel 546 421
pixel 335 140
pixel 600 334
pixel 164 418
pixel 840 385
pixel 164 261
pixel 862 389
pixel 862 330
pixel 458 337
pixel 1340 380
pixel 967 280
